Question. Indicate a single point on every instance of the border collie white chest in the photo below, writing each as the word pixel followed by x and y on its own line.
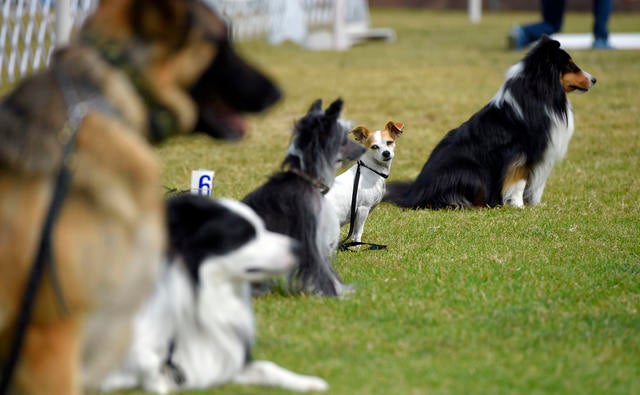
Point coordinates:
pixel 197 329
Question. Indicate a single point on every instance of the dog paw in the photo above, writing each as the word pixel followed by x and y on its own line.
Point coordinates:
pixel 315 384
pixel 159 385
pixel 518 203
pixel 345 290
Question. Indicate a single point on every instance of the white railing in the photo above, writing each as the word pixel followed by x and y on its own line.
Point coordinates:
pixel 28 33
pixel 30 29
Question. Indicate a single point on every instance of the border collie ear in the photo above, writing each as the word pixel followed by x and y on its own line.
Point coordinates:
pixel 395 127
pixel 316 106
pixel 160 20
pixel 360 133
pixel 334 109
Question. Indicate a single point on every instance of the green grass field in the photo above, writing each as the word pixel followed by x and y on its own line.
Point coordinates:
pixel 542 300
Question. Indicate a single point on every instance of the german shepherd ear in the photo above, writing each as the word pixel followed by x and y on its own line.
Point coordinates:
pixel 395 128
pixel 161 20
pixel 360 133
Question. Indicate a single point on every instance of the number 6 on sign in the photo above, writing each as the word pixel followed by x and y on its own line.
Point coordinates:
pixel 202 182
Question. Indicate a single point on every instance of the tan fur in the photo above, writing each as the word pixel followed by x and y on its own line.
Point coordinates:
pixel 56 370
pixel 109 236
pixel 515 173
pixel 394 128
pixel 364 136
pixel 360 133
pixel 572 80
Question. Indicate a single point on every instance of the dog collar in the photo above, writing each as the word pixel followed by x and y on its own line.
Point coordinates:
pixel 313 181
pixel 162 121
pixel 361 163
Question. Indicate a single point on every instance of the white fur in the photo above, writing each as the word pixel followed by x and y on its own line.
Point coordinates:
pixel 371 186
pixel 212 323
pixel 513 196
pixel 531 193
pixel 503 95
pixel 561 133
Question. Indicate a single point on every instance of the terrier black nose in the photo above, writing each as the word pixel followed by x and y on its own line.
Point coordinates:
pixel 594 80
pixel 386 154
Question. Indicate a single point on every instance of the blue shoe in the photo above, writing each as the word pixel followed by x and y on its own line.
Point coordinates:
pixel 601 43
pixel 516 38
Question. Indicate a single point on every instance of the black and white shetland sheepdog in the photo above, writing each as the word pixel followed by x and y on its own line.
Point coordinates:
pixel 505 152
pixel 197 328
pixel 292 201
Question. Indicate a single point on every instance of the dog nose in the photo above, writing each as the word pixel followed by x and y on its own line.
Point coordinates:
pixel 594 80
pixel 386 154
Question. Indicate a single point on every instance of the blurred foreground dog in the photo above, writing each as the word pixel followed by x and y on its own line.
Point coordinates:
pixel 140 71
pixel 365 180
pixel 197 328
pixel 292 202
pixel 505 152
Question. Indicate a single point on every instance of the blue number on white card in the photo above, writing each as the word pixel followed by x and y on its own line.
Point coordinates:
pixel 205 182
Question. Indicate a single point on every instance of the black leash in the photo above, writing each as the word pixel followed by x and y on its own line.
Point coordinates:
pixel 44 256
pixel 169 367
pixel 344 246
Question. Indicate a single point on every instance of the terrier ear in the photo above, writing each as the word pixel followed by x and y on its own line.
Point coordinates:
pixel 360 133
pixel 395 127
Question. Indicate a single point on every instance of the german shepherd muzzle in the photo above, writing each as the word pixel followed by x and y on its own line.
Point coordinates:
pixel 138 72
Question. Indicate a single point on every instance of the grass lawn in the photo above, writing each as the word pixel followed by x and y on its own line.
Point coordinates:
pixel 542 300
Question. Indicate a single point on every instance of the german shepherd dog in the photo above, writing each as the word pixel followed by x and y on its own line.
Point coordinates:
pixel 138 72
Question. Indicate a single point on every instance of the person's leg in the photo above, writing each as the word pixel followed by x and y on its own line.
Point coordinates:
pixel 553 13
pixel 552 16
pixel 601 12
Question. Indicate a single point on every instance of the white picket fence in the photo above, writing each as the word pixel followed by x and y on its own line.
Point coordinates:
pixel 28 34
pixel 30 29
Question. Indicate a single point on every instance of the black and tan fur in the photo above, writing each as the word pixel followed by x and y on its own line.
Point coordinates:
pixel 147 69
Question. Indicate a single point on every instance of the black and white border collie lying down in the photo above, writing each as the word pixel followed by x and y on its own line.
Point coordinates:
pixel 505 152
pixel 292 201
pixel 197 328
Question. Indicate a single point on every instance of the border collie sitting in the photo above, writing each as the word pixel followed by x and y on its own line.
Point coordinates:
pixel 197 328
pixel 292 202
pixel 505 152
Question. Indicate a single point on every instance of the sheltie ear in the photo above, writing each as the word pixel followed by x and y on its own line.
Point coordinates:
pixel 546 40
pixel 395 128
pixel 360 133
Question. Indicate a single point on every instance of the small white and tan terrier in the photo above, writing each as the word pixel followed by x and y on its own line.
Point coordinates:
pixel 373 168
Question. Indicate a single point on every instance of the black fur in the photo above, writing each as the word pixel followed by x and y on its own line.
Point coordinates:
pixel 239 86
pixel 201 227
pixel 290 204
pixel 467 168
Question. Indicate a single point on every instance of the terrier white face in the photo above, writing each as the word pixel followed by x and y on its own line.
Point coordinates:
pixel 380 144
